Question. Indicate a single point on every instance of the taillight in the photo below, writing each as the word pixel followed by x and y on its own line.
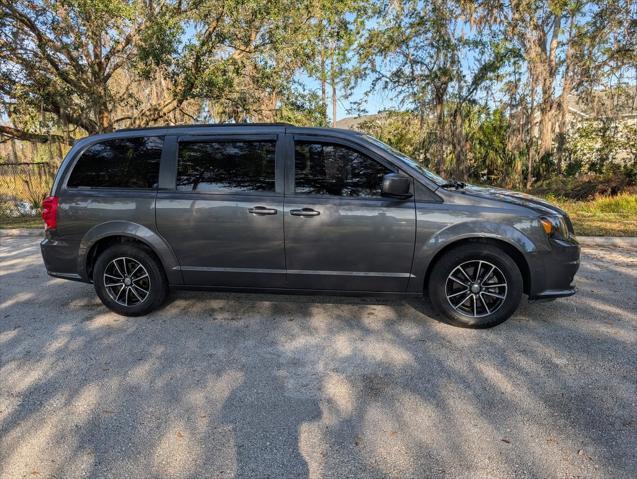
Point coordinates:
pixel 50 212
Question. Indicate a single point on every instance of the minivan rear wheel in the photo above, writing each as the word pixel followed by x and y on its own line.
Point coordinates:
pixel 129 280
pixel 476 286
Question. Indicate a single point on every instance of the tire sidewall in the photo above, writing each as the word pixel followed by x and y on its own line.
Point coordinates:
pixel 156 276
pixel 457 256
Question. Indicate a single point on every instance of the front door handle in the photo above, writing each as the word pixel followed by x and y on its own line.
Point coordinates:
pixel 305 212
pixel 262 210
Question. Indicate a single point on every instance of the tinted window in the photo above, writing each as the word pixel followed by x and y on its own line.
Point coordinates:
pixel 120 163
pixel 226 166
pixel 327 169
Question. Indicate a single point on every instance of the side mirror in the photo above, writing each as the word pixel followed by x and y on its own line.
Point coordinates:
pixel 396 185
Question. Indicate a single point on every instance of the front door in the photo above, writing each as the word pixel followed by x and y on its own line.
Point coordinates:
pixel 340 233
pixel 223 215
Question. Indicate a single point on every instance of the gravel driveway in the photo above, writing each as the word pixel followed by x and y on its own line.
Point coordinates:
pixel 228 385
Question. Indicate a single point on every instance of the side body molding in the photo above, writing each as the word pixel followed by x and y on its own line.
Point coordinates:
pixel 135 231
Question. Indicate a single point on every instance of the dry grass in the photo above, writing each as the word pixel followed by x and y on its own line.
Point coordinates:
pixel 26 182
pixel 8 222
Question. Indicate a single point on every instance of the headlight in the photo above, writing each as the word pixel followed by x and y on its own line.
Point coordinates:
pixel 554 226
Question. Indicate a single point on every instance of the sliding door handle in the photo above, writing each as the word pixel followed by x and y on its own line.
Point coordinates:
pixel 262 210
pixel 305 212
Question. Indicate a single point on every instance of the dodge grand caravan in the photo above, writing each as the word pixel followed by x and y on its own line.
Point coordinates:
pixel 276 208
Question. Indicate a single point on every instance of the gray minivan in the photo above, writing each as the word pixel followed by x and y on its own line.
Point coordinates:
pixel 277 208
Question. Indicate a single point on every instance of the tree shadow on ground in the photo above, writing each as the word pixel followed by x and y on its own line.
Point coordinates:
pixel 227 385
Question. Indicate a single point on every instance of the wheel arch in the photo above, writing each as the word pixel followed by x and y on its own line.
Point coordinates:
pixel 512 251
pixel 104 235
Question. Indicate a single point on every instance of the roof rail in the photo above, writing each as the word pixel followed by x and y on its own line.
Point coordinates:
pixel 203 125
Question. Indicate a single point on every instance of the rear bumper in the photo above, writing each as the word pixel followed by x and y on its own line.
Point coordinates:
pixel 60 258
pixel 556 270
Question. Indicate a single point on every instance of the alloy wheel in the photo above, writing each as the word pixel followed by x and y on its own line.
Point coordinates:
pixel 476 288
pixel 126 281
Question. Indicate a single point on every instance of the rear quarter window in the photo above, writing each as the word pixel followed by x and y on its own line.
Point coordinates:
pixel 119 163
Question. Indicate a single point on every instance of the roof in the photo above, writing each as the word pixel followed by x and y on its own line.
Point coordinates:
pixel 220 129
pixel 202 125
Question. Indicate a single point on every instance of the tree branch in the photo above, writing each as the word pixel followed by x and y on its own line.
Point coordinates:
pixel 15 133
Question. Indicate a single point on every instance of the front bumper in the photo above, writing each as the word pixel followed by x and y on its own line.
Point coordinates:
pixel 551 294
pixel 556 270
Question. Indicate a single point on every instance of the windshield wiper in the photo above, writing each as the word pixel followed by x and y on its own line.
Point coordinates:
pixel 453 184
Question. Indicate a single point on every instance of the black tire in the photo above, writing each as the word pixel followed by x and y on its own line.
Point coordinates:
pixel 488 303
pixel 137 302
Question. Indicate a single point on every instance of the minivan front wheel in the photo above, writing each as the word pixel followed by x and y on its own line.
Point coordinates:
pixel 476 286
pixel 129 280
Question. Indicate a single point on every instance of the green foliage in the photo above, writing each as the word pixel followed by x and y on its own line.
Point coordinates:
pixel 490 159
pixel 483 86
pixel 586 187
pixel 159 43
pixel 401 130
pixel 624 203
pixel 604 216
pixel 597 146
pixel 302 109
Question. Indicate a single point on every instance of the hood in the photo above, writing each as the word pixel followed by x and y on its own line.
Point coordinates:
pixel 516 198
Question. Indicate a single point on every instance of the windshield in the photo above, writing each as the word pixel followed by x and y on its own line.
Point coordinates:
pixel 407 160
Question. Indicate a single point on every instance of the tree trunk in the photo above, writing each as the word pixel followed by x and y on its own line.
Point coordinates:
pixel 547 108
pixel 14 150
pixel 323 82
pixel 333 82
pixel 274 99
pixel 546 118
pixel 567 84
pixel 459 144
pixel 531 132
pixel 439 147
pixel 104 118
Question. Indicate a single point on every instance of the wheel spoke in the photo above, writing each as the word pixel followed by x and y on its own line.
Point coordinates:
pixel 458 281
pixel 488 274
pixel 494 295
pixel 137 295
pixel 484 303
pixel 478 272
pixel 136 268
pixel 495 285
pixel 462 302
pixel 113 285
pixel 457 294
pixel 117 268
pixel 465 273
pixel 145 275
pixel 120 292
pixel 141 289
pixel 124 263
pixel 113 277
pixel 475 305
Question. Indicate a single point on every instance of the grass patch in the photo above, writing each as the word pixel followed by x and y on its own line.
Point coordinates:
pixel 8 222
pixel 603 216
